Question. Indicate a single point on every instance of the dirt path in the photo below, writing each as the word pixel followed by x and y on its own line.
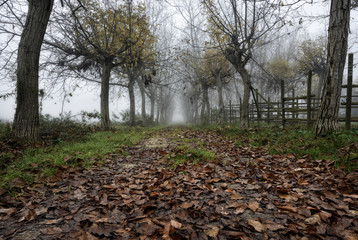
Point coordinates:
pixel 243 194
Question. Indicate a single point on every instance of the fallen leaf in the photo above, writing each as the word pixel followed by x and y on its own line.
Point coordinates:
pixel 254 206
pixel 89 236
pixel 186 205
pixel 287 208
pixel 257 225
pixel 8 211
pixel 28 215
pixel 324 215
pixel 104 200
pixel 313 220
pixel 212 232
pixel 236 196
pixel 274 227
pixel 79 195
pixel 175 224
pixel 146 228
pixel 53 221
pixel 354 212
pixel 241 207
pixel 51 231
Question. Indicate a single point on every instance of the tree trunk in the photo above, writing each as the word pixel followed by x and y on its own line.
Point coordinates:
pixel 26 120
pixel 196 117
pixel 131 100
pixel 221 100
pixel 321 77
pixel 337 51
pixel 152 105
pixel 106 75
pixel 158 112
pixel 142 93
pixel 205 103
pixel 245 101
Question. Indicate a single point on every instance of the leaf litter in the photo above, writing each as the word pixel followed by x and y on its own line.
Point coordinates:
pixel 243 194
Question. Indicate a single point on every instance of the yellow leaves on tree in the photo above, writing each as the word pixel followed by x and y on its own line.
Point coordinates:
pixel 116 33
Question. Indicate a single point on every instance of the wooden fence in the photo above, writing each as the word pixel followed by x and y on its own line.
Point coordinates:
pixel 291 109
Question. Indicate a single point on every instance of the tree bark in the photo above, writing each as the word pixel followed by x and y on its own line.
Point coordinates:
pixel 142 93
pixel 158 112
pixel 26 120
pixel 205 108
pixel 244 123
pixel 106 74
pixel 221 100
pixel 337 50
pixel 152 106
pixel 131 99
pixel 321 77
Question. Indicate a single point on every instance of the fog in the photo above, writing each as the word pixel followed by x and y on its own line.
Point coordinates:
pixel 89 99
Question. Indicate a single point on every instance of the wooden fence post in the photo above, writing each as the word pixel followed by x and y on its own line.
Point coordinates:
pixel 230 115
pixel 268 111
pixel 293 104
pixel 240 109
pixel 349 92
pixel 309 99
pixel 283 102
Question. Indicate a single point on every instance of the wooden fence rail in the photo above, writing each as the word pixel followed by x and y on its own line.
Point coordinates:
pixel 290 109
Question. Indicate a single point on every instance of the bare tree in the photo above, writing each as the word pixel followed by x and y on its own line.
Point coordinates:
pixel 237 27
pixel 313 56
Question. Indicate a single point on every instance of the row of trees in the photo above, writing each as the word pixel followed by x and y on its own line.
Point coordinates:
pixel 127 44
pixel 88 40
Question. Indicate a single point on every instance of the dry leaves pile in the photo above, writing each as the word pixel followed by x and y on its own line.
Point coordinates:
pixel 245 194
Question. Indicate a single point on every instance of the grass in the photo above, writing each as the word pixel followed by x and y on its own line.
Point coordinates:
pixel 340 147
pixel 186 154
pixel 34 164
pixel 44 162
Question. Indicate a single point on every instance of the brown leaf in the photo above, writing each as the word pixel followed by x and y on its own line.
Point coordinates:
pixel 321 229
pixel 166 230
pixel 274 227
pixel 212 232
pixel 175 224
pixel 8 211
pixel 65 159
pixel 350 235
pixel 53 221
pixel 121 232
pixel 236 196
pixel 233 234
pixel 90 236
pixel 325 215
pixel 104 200
pixel 146 228
pixel 240 208
pixel 79 195
pixel 41 210
pixel 353 212
pixel 51 231
pixel 313 220
pixel 287 208
pixel 186 205
pixel 254 206
pixel 28 215
pixel 257 225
